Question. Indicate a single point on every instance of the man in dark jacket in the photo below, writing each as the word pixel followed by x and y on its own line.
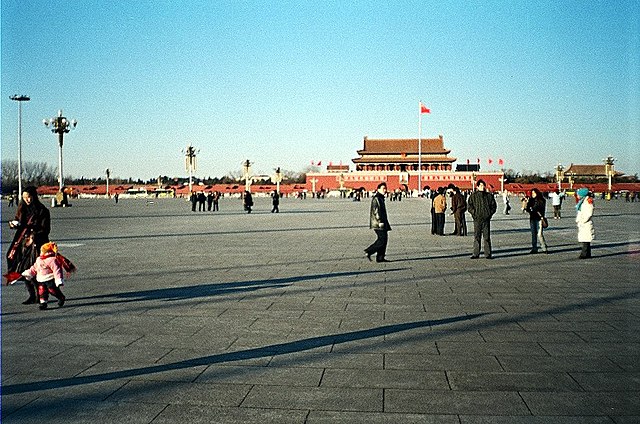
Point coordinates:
pixel 379 222
pixel 458 208
pixel 481 205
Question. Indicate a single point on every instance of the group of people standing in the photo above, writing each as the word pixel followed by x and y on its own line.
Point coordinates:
pixel 439 209
pixel 212 200
pixel 481 205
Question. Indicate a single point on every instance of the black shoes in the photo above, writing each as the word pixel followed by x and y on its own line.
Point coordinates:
pixel 61 302
pixel 474 257
pixel 43 306
pixel 368 255
pixel 29 301
pixel 383 260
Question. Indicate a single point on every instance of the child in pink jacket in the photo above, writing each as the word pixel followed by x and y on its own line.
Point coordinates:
pixel 49 273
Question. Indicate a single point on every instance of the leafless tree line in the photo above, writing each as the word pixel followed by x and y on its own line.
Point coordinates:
pixel 33 173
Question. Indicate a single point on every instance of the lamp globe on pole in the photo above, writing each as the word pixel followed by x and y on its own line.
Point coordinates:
pixel 60 125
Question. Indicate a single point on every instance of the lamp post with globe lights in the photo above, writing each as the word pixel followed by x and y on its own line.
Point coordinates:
pixel 608 169
pixel 60 125
pixel 190 163
pixel 20 99
pixel 559 175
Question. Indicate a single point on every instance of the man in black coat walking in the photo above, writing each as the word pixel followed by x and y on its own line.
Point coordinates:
pixel 481 205
pixel 379 222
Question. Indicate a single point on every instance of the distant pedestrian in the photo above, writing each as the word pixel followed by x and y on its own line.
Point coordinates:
pixel 556 202
pixel 507 204
pixel 458 208
pixel 216 200
pixel 482 206
pixel 275 198
pixel 116 196
pixel 439 208
pixel 584 215
pixel 209 201
pixel 193 198
pixel 536 208
pixel 379 223
pixel 202 199
pixel 12 199
pixel 247 201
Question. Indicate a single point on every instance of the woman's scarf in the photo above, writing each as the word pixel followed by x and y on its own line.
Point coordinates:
pixel 582 195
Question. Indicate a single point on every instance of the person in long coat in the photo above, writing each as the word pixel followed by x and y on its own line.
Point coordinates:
pixel 379 222
pixel 248 201
pixel 481 205
pixel 536 206
pixel 584 215
pixel 33 225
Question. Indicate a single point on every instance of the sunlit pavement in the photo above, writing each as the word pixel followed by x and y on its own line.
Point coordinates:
pixel 226 317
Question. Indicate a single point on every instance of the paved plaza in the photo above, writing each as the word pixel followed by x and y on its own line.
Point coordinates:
pixel 192 317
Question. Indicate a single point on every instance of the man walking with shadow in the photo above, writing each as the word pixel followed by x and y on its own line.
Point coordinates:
pixel 379 222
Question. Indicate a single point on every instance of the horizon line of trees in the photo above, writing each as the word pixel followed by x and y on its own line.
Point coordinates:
pixel 42 174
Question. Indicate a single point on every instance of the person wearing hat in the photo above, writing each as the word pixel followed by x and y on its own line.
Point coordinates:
pixel 48 272
pixel 481 205
pixel 584 213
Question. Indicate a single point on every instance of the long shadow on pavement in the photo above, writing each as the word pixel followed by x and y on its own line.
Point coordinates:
pixel 271 350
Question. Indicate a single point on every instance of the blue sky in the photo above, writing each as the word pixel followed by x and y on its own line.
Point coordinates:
pixel 286 83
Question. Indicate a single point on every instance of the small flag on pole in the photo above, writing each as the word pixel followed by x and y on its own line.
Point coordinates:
pixel 501 162
pixel 424 109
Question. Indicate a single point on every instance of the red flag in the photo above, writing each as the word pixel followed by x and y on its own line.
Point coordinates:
pixel 319 163
pixel 424 109
pixel 467 161
pixel 490 161
pixel 500 162
pixel 478 161
pixel 313 163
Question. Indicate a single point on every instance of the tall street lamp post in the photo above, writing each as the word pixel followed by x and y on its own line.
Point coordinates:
pixel 20 99
pixel 277 178
pixel 60 125
pixel 608 168
pixel 559 175
pixel 108 175
pixel 246 173
pixel 190 163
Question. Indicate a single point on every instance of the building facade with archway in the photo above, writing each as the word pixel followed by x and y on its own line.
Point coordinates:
pixel 401 164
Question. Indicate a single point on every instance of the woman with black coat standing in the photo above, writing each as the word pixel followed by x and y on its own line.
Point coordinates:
pixel 33 225
pixel 536 208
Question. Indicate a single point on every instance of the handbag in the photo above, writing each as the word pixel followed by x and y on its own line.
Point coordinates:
pixel 544 222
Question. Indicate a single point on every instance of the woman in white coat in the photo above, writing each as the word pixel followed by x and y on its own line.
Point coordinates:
pixel 584 210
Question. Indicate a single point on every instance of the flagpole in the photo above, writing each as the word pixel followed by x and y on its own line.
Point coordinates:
pixel 419 147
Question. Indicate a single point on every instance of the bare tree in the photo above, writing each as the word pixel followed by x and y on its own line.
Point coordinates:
pixel 33 173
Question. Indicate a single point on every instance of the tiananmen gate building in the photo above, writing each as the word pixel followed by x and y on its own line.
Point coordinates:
pixel 399 163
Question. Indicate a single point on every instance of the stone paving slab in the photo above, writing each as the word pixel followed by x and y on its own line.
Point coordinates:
pixel 226 317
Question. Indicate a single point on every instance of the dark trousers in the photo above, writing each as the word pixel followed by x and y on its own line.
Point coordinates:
pixel 586 251
pixel 461 225
pixel 379 247
pixel 481 229
pixel 439 223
